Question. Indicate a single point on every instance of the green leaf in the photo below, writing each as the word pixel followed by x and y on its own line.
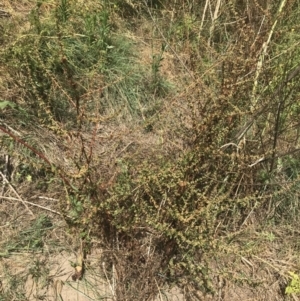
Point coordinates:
pixel 294 286
pixel 5 103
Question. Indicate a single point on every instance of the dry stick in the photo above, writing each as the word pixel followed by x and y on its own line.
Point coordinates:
pixel 113 278
pixel 260 62
pixel 160 296
pixel 293 74
pixel 203 17
pixel 279 271
pixel 47 199
pixel 262 56
pixel 214 18
pixel 109 284
pixel 10 128
pixel 15 192
pixel 5 173
pixel 30 203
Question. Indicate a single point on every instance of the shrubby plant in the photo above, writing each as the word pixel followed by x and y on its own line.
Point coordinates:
pixel 159 197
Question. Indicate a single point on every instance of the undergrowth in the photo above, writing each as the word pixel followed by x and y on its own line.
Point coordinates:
pixel 159 176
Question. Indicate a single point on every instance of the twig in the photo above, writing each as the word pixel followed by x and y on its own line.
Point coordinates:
pixel 263 55
pixel 203 18
pixel 6 167
pixel 47 199
pixel 229 144
pixel 257 161
pixel 15 192
pixel 160 296
pixel 4 14
pixel 250 213
pixel 279 271
pixel 110 286
pixel 30 203
pixel 123 149
pixel 214 17
pixel 10 128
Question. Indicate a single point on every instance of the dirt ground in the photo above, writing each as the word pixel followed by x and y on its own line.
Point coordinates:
pixel 53 281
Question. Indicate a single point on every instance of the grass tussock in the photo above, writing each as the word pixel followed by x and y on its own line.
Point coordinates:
pixel 168 141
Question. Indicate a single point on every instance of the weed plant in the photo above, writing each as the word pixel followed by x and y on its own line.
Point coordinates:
pixel 159 211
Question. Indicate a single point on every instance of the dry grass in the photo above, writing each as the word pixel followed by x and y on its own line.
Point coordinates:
pixel 200 97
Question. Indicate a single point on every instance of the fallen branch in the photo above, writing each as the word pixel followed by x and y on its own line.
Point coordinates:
pixel 15 192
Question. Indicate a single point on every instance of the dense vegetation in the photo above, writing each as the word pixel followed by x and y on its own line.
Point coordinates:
pixel 167 128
